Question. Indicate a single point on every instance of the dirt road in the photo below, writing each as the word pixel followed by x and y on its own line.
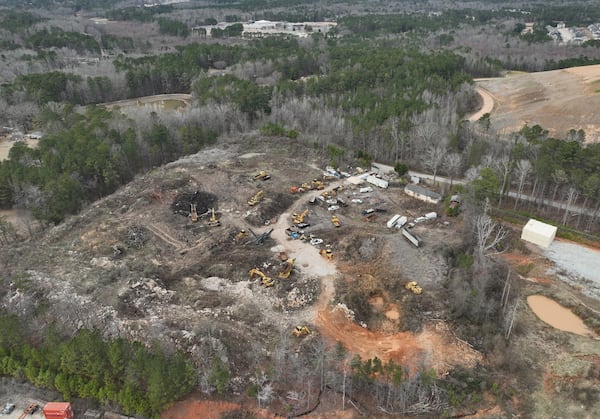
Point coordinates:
pixel 487 107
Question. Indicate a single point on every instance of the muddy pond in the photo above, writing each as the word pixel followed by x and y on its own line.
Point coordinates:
pixel 557 316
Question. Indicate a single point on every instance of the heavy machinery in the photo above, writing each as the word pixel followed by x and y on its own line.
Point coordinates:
pixel 300 331
pixel 213 220
pixel 327 252
pixel 262 175
pixel 256 198
pixel 287 270
pixel 193 213
pixel 241 235
pixel 265 280
pixel 414 287
pixel 260 238
pixel 317 184
pixel 299 218
pixel 335 221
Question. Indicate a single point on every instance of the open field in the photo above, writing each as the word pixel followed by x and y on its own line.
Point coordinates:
pixel 557 100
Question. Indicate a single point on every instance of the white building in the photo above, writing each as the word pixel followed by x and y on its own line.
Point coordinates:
pixel 538 233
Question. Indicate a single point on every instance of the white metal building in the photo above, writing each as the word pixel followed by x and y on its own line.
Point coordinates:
pixel 538 233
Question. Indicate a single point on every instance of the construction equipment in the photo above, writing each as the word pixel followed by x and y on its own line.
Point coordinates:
pixel 287 270
pixel 258 196
pixel 300 331
pixel 414 287
pixel 242 234
pixel 335 220
pixel 327 252
pixel 260 238
pixel 193 213
pixel 34 407
pixel 265 280
pixel 299 218
pixel 213 221
pixel 262 175
pixel 317 184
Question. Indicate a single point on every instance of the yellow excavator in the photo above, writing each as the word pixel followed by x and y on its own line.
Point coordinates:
pixel 262 175
pixel 287 270
pixel 265 280
pixel 414 287
pixel 299 218
pixel 300 331
pixel 213 220
pixel 193 213
pixel 317 184
pixel 256 198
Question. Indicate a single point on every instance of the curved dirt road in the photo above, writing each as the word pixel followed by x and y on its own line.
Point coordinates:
pixel 488 104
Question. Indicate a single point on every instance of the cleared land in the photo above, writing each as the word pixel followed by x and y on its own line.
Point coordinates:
pixel 557 100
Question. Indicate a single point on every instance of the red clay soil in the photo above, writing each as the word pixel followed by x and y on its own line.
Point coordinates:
pixel 208 409
pixel 434 347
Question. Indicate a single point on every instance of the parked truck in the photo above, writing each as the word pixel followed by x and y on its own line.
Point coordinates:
pixel 411 237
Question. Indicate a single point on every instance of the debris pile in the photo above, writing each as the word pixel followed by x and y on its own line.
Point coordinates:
pixel 202 200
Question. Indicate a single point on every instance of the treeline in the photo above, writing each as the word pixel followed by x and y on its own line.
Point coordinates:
pixel 89 157
pixel 139 14
pixel 16 21
pixel 57 38
pixel 139 380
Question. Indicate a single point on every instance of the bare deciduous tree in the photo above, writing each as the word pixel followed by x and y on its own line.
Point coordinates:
pixel 488 235
pixel 523 169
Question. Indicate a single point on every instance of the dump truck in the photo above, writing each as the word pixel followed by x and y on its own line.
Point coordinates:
pixel 256 198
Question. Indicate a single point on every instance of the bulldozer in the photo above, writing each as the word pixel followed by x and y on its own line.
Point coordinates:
pixel 262 175
pixel 287 270
pixel 193 213
pixel 335 220
pixel 414 287
pixel 299 218
pixel 300 331
pixel 265 280
pixel 256 198
pixel 213 221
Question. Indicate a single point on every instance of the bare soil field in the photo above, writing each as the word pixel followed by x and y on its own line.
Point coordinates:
pixel 134 264
pixel 557 100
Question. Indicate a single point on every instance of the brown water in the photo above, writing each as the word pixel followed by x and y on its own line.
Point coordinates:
pixel 557 316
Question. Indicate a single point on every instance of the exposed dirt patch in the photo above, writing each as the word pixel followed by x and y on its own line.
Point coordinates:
pixel 557 100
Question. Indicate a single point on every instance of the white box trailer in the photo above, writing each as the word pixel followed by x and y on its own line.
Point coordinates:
pixel 374 180
pixel 411 237
pixel 393 221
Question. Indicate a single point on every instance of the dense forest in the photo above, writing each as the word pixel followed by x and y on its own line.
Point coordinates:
pixel 393 82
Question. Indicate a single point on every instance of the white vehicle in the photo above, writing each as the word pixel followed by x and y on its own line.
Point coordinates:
pixel 316 241
pixel 333 207
pixel 393 221
pixel 357 201
pixel 401 222
pixel 431 215
pixel 366 189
